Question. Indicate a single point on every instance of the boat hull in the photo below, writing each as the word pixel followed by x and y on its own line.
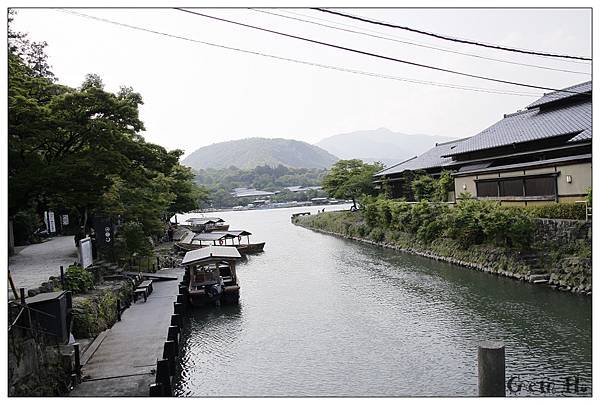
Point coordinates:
pixel 251 248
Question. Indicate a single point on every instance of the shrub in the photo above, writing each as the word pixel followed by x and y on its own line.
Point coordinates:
pixel 507 226
pixel 558 211
pixel 423 187
pixel 377 235
pixel 134 239
pixel 78 279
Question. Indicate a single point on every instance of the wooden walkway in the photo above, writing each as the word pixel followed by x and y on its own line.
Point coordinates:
pixel 124 362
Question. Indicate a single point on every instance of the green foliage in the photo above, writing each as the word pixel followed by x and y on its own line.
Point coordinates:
pixel 219 183
pixel 471 222
pixel 351 179
pixel 443 185
pixel 423 187
pixel 25 223
pixel 80 149
pixel 558 211
pixel 78 279
pixel 588 197
pixel 377 235
pixel 134 239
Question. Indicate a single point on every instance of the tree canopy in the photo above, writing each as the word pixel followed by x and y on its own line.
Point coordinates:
pixel 351 179
pixel 80 149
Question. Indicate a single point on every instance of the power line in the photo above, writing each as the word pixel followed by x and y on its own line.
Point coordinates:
pixel 376 55
pixel 578 62
pixel 423 45
pixel 447 38
pixel 337 68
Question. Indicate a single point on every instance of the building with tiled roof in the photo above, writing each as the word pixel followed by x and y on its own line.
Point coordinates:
pixel 537 155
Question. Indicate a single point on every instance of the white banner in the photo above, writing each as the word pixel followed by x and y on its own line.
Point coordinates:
pixel 51 222
pixel 85 252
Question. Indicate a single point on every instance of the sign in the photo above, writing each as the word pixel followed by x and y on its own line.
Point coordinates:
pixel 85 252
pixel 104 232
pixel 65 219
pixel 51 220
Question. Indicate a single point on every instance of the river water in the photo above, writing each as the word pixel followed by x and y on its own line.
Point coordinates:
pixel 325 316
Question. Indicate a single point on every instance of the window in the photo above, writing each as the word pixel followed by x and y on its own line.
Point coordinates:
pixel 487 188
pixel 511 188
pixel 540 186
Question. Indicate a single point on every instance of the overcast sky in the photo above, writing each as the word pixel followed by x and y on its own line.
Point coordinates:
pixel 195 95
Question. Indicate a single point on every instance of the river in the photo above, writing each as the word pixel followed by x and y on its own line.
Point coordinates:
pixel 325 316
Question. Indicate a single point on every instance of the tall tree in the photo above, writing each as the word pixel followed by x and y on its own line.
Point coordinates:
pixel 351 179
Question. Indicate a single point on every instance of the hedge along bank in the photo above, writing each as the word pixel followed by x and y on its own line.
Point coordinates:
pixel 508 241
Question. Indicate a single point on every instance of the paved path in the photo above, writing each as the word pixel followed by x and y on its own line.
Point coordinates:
pixel 33 264
pixel 122 364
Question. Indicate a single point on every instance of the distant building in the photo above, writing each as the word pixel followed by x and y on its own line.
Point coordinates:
pixel 250 192
pixel 297 189
pixel 538 155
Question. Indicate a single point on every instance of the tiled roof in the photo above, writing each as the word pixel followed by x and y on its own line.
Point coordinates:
pixel 533 124
pixel 430 159
pixel 565 93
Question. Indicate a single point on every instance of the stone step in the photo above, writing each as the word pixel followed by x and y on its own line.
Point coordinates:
pixel 539 277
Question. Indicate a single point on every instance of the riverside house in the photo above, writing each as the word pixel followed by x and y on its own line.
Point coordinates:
pixel 537 155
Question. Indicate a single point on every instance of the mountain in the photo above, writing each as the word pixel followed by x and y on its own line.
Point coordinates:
pixel 381 145
pixel 251 152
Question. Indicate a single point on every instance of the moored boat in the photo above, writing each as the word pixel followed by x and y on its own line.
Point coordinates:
pixel 206 224
pixel 212 275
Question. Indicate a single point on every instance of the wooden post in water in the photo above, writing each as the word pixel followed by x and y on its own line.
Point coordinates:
pixel 491 369
pixel 163 377
pixel 176 320
pixel 169 354
pixel 77 361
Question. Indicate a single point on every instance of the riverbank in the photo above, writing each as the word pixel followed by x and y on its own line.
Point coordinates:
pixel 559 257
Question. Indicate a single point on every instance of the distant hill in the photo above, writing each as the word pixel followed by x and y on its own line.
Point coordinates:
pixel 380 144
pixel 251 152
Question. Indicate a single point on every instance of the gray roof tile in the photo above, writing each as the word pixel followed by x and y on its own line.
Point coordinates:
pixel 565 93
pixel 431 158
pixel 531 125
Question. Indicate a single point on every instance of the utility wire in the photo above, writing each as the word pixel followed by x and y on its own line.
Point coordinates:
pixel 372 74
pixel 287 11
pixel 422 45
pixel 376 55
pixel 447 38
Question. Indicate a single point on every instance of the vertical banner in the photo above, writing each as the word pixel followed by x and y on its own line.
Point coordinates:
pixel 85 252
pixel 51 222
pixel 65 219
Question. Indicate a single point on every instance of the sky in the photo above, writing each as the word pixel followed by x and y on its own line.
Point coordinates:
pixel 195 95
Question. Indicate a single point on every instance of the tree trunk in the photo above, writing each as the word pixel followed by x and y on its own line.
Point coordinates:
pixel 11 238
pixel 353 202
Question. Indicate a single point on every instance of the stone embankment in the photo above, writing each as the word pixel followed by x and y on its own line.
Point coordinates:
pixel 560 257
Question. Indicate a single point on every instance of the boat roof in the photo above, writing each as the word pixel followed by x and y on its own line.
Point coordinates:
pixel 217 235
pixel 213 236
pixel 210 254
pixel 236 232
pixel 204 220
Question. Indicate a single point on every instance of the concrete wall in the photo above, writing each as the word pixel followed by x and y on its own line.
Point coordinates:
pixel 581 179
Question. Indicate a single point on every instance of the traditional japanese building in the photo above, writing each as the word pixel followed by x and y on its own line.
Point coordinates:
pixel 540 154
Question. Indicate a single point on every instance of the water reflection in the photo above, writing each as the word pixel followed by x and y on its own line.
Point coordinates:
pixel 324 316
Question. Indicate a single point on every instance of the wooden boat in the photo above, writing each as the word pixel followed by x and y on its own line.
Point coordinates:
pixel 212 275
pixel 227 238
pixel 206 224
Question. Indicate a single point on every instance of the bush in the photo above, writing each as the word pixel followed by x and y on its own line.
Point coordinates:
pixel 508 226
pixel 134 239
pixel 78 279
pixel 558 211
pixel 377 235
